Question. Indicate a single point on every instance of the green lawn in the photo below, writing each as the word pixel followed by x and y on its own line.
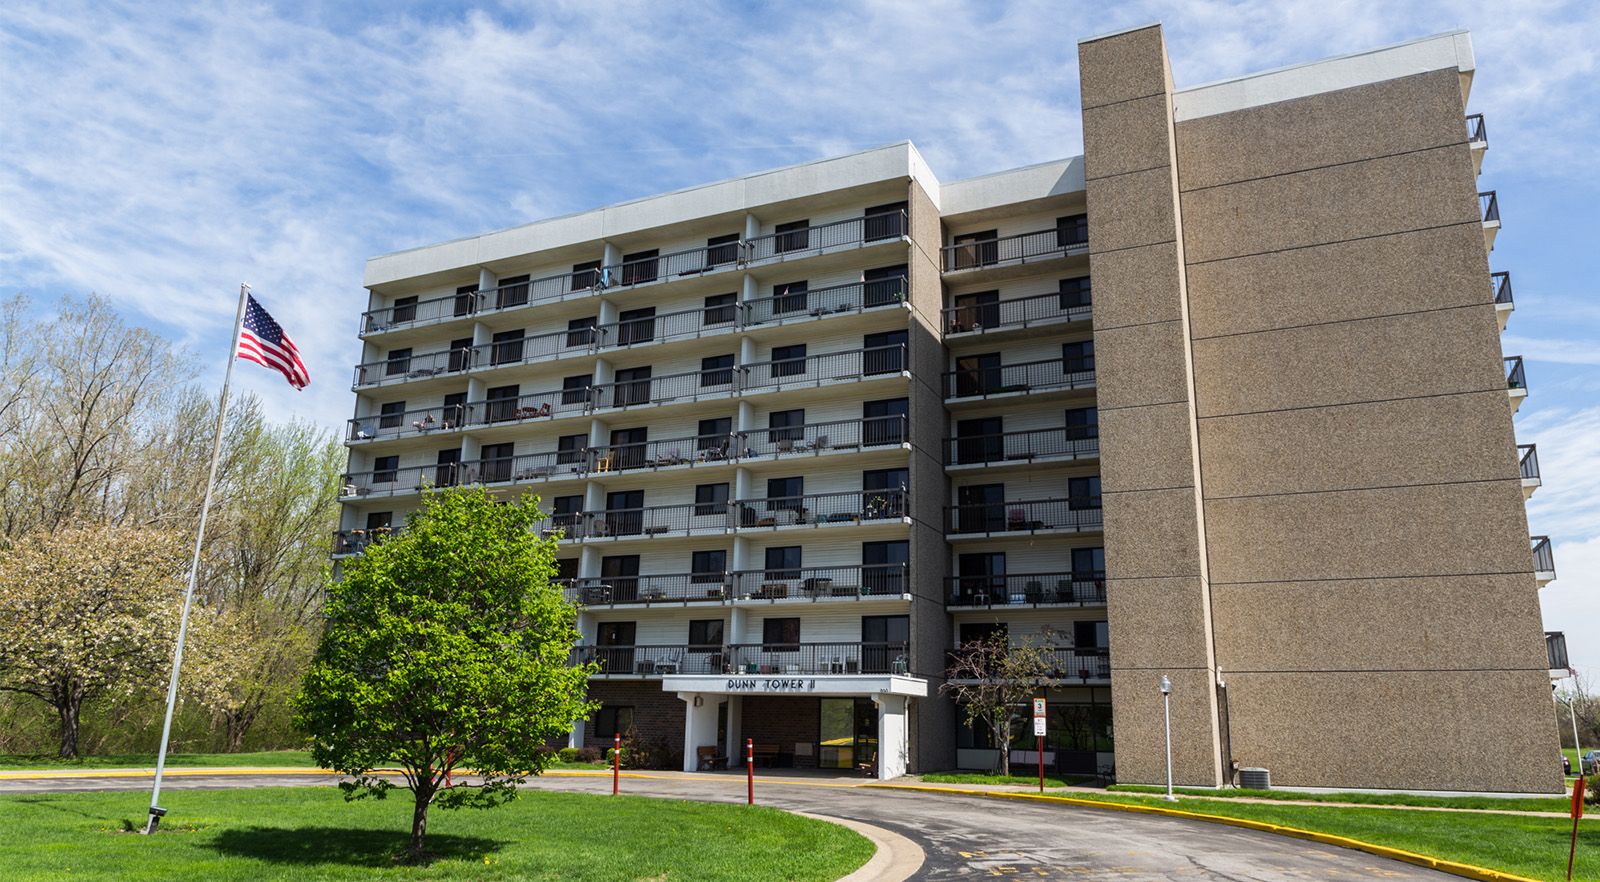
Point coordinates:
pixel 311 833
pixel 983 778
pixel 298 759
pixel 1530 804
pixel 1527 846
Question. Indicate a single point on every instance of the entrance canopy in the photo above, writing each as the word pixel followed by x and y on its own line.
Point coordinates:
pixel 796 684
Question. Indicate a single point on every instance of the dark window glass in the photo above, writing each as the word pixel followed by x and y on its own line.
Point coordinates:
pixel 513 291
pixel 460 353
pixel 1075 293
pixel 1090 635
pixel 384 469
pixel 982 577
pixel 785 425
pixel 788 361
pixel 507 347
pixel 979 440
pixel 716 370
pixel 710 500
pixel 564 511
pixel 636 326
pixel 1072 230
pixel 885 567
pixel 640 266
pixel 884 285
pixel 632 386
pixel 885 421
pixel 713 434
pixel 575 389
pixel 885 493
pixel 621 573
pixel 789 297
pixel 496 465
pixel 466 301
pixel 455 410
pixel 792 236
pixel 885 353
pixel 629 447
pixel 580 331
pixel 404 310
pixel 566 569
pixel 783 562
pixel 720 309
pixel 978 374
pixel 722 249
pixel 705 633
pixel 1088 563
pixel 785 493
pixel 780 635
pixel 399 362
pixel 708 566
pixel 973 632
pixel 884 222
pixel 974 312
pixel 379 520
pixel 1083 492
pixel 569 448
pixel 976 249
pixel 502 403
pixel 1077 357
pixel 981 508
pixel 610 722
pixel 1083 423
pixel 449 466
pixel 584 275
pixel 625 513
pixel 390 415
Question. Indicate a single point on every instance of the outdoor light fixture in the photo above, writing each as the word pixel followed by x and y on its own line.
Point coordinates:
pixel 156 814
pixel 1166 712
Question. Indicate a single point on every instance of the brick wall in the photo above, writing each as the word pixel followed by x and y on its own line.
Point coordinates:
pixel 656 714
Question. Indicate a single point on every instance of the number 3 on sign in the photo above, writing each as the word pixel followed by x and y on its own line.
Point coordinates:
pixel 1038 707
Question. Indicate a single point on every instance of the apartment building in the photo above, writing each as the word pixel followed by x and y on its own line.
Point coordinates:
pixel 803 434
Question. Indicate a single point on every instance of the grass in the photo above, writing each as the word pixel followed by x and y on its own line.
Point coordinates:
pixel 299 759
pixel 1527 804
pixel 984 778
pixel 311 833
pixel 1523 845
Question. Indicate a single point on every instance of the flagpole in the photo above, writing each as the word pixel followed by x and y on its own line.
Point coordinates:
pixel 156 811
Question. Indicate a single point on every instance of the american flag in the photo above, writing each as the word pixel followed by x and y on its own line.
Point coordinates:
pixel 262 340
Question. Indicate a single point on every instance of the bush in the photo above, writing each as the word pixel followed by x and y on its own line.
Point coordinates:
pixel 588 754
pixel 1593 796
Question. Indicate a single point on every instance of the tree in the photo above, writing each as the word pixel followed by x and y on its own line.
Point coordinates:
pixel 85 611
pixel 991 677
pixel 446 647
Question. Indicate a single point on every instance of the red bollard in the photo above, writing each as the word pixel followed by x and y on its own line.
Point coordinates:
pixel 616 763
pixel 750 767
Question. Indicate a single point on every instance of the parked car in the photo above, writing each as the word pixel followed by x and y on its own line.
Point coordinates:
pixel 1566 765
pixel 1589 763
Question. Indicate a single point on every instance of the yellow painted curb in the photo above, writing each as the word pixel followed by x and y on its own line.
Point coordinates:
pixel 1444 866
pixel 151 773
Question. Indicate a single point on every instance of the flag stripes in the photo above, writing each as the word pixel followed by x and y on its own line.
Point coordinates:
pixel 262 340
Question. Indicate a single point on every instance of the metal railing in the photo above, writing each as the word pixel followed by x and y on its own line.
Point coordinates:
pixel 1476 131
pixel 817 438
pixel 1500 284
pixel 413 367
pixel 687 519
pixel 851 231
pixel 1027 589
pixel 687 386
pixel 526 467
pixel 1025 516
pixel 1020 312
pixel 818 302
pixel 1515 378
pixel 815 583
pixel 482 301
pixel 1071 442
pixel 420 420
pixel 814 509
pixel 1529 460
pixel 659 328
pixel 823 368
pixel 661 454
pixel 346 542
pixel 658 588
pixel 1006 249
pixel 1028 376
pixel 422 312
pixel 1490 206
pixel 1062 663
pixel 689 262
pixel 1555 650
pixel 1544 560
pixel 652 660
pixel 819 658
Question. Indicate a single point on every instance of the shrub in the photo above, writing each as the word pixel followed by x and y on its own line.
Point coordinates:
pixel 588 754
pixel 1593 796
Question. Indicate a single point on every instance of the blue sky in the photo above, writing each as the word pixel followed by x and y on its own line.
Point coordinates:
pixel 161 153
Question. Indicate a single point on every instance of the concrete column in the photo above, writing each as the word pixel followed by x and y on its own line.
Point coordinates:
pixel 603 371
pixel 575 737
pixel 743 484
pixel 481 335
pixel 612 257
pixel 752 227
pixel 893 735
pixel 747 351
pixel 699 726
pixel 747 417
pixel 589 562
pixel 738 619
pixel 594 496
pixel 608 313
pixel 471 448
pixel 599 433
pixel 487 280
pixel 741 554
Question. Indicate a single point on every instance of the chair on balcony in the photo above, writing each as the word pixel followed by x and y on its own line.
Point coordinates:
pixel 668 664
pixel 709 759
pixel 1033 591
pixel 785 445
pixel 1016 519
pixel 1064 592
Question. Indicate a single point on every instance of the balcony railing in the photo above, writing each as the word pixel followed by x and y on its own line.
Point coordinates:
pixel 652 661
pixel 413 367
pixel 1477 132
pixel 1490 206
pixel 689 262
pixel 1063 442
pixel 1515 378
pixel 420 420
pixel 1021 247
pixel 1529 460
pixel 854 297
pixel 667 588
pixel 1025 516
pixel 527 467
pixel 658 328
pixel 822 369
pixel 852 231
pixel 470 303
pixel 848 507
pixel 1555 648
pixel 347 542
pixel 1544 560
pixel 1029 376
pixel 818 438
pixel 689 519
pixel 816 583
pixel 1020 312
pixel 662 454
pixel 819 658
pixel 1500 284
pixel 1062 663
pixel 1027 589
pixel 688 386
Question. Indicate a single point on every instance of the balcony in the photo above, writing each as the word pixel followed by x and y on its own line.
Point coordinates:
pixel 818 658
pixel 682 325
pixel 1544 561
pixel 635 662
pixel 665 453
pixel 1011 250
pixel 667 267
pixel 688 519
pixel 821 439
pixel 855 297
pixel 410 367
pixel 672 588
pixel 1516 381
pixel 1490 206
pixel 851 507
pixel 1477 140
pixel 511 469
pixel 1528 462
pixel 1055 374
pixel 1027 590
pixel 464 306
pixel 1555 649
pixel 825 369
pixel 1019 313
pixel 1023 517
pixel 855 232
pixel 682 387
pixel 1500 288
pixel 347 543
pixel 1065 664
pixel 803 584
pixel 1062 444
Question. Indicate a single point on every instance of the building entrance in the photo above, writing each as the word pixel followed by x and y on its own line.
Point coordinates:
pixel 848 734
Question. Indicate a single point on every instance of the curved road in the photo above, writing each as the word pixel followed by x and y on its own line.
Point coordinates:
pixel 963 837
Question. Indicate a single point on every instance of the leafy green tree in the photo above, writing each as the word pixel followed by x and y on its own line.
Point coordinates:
pixel 446 647
pixel 992 679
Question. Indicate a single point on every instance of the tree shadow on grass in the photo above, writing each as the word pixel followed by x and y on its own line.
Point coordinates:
pixel 344 845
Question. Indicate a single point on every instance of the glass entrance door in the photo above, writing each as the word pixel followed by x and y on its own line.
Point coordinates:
pixel 849 733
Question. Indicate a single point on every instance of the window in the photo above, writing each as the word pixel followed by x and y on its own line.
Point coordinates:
pixel 792 236
pixel 980 440
pixel 575 389
pixel 1083 423
pixel 466 301
pixel 609 722
pixel 629 447
pixel 885 353
pixel 454 412
pixel 1077 357
pixel 705 634
pixel 584 275
pixel 1072 230
pixel 1075 293
pixel 885 421
pixel 884 222
pixel 567 569
pixel 722 249
pixel 390 415
pixel 496 462
pixel 384 469
pixel 790 297
pixel 1090 635
pixel 713 434
pixel 976 249
pixel 981 577
pixel 884 285
pixel 513 291
pixel 507 348
pixel 639 266
pixel 399 361
pixel 975 312
pixel 884 567
pixel 707 566
pixel 564 511
pixel 973 632
pixel 625 513
pixel 1083 492
pixel 786 425
pixel 460 353
pixel 785 494
pixel 449 463
pixel 569 448
pixel 632 386
pixel 788 361
pixel 889 632
pixel 716 370
pixel 981 508
pixel 710 500
pixel 636 326
pixel 502 403
pixel 978 374
pixel 580 331
pixel 621 572
pixel 1088 563
pixel 780 635
pixel 720 309
pixel 405 310
pixel 379 520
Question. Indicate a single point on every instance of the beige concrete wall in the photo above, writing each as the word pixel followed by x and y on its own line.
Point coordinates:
pixel 1374 613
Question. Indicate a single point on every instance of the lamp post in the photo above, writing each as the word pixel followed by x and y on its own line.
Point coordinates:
pixel 1572 711
pixel 1166 713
